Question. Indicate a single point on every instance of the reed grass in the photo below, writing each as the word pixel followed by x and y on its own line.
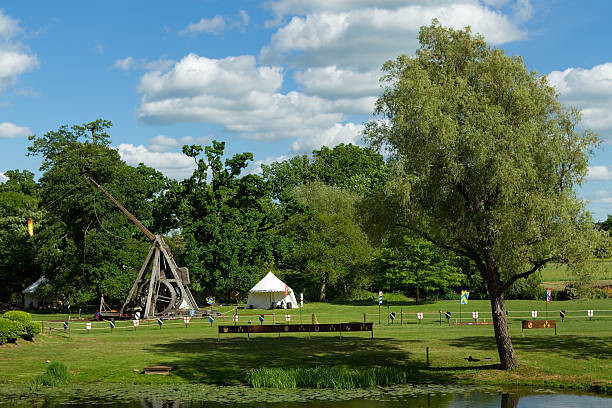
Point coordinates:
pixel 325 377
pixel 56 374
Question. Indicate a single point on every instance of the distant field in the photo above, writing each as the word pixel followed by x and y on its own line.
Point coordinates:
pixel 559 274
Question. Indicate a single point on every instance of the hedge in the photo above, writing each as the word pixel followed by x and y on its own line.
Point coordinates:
pixel 15 324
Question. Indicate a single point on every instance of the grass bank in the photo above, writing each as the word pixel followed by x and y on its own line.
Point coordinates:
pixel 578 358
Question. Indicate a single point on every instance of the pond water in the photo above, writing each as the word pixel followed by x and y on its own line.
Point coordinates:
pixel 229 397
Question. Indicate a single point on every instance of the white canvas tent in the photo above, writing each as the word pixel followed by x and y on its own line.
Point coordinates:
pixel 271 291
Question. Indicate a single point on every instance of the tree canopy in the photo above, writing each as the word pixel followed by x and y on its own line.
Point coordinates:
pixel 489 157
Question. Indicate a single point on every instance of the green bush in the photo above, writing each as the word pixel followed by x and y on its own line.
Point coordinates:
pixel 9 330
pixel 25 327
pixel 528 289
pixel 18 316
pixel 56 374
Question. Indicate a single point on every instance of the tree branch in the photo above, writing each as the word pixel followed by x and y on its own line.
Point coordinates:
pixel 512 279
pixel 459 251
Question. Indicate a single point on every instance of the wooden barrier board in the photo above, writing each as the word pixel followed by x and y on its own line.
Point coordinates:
pixel 298 328
pixel 539 324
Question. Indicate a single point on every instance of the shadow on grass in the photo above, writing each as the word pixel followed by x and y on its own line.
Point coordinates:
pixel 575 347
pixel 228 361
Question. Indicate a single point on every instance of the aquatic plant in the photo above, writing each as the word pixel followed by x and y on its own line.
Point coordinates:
pixel 325 377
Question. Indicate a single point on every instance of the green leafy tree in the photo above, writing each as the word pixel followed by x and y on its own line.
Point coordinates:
pixel 227 222
pixel 87 246
pixel 331 254
pixel 18 266
pixel 489 161
pixel 417 266
pixel 350 167
pixel 20 181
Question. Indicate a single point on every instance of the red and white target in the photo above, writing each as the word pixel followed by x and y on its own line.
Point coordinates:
pixel 590 313
pixel 288 318
pixel 475 315
pixel 235 318
pixel 534 313
pixel 186 320
pixel 136 322
pixel 420 316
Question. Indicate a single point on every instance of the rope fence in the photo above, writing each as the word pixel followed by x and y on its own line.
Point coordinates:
pixel 401 317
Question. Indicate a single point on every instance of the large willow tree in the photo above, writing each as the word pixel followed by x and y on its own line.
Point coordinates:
pixel 490 161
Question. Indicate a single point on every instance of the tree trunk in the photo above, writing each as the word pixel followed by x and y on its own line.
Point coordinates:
pixel 417 295
pixel 507 357
pixel 322 292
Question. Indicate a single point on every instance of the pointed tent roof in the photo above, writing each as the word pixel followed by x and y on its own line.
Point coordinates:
pixel 269 283
pixel 32 288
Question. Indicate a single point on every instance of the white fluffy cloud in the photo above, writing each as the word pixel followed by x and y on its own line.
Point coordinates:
pixel 14 59
pixel 174 165
pixel 366 37
pixel 348 133
pixel 600 173
pixel 195 76
pixel 162 143
pixel 241 96
pixel 332 82
pixel 205 25
pixel 591 91
pixel 9 130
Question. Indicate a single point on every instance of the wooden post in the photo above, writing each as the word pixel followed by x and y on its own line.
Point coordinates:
pixel 364 317
pixel 401 317
pixel 427 351
pixel 314 319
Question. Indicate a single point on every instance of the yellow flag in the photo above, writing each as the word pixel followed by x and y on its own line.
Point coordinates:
pixel 30 227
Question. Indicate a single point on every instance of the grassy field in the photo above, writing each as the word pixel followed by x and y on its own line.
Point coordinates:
pixel 557 276
pixel 579 357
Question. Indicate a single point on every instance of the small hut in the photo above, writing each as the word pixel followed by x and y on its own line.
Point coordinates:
pixel 31 298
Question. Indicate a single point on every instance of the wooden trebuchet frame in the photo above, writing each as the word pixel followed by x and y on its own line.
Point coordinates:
pixel 164 291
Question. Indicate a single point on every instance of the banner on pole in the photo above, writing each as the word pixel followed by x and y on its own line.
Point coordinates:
pixel 465 294
pixel 548 295
pixel 534 313
pixel 136 322
pixel 475 315
pixel 380 297
pixel 301 300
pixel 420 316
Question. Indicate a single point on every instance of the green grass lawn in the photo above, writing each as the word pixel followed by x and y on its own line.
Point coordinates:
pixel 579 356
pixel 559 272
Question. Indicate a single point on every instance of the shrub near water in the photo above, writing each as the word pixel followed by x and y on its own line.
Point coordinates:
pixel 56 374
pixel 325 377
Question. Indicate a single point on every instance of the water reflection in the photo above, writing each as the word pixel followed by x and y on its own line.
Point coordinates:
pixel 432 400
pixel 441 399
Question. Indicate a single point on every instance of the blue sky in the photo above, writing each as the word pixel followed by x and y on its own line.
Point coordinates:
pixel 276 78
